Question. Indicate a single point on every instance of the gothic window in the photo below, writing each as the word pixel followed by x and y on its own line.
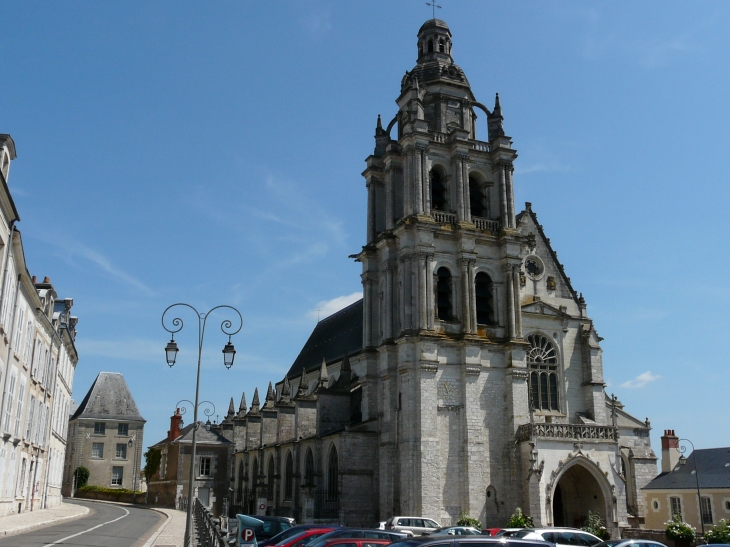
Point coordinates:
pixel 476 199
pixel 332 475
pixel 309 468
pixel 270 479
pixel 239 493
pixel 289 478
pixel 444 309
pixel 484 299
pixel 542 359
pixel 438 191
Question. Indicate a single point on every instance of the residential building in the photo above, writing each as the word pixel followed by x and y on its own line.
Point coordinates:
pixel 695 487
pixel 470 376
pixel 169 487
pixel 106 435
pixel 32 342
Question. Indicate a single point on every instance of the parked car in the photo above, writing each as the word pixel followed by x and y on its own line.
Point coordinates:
pixel 504 532
pixel 304 538
pixel 412 526
pixel 290 532
pixel 357 542
pixel 454 531
pixel 271 526
pixel 366 533
pixel 562 537
pixel 468 541
pixel 632 543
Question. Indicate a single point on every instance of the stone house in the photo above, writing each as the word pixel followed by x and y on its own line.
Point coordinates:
pixel 470 376
pixel 169 487
pixel 675 489
pixel 106 435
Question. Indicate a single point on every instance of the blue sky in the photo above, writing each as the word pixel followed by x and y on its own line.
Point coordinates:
pixel 211 154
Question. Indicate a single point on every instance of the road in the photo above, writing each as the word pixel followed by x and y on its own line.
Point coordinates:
pixel 106 525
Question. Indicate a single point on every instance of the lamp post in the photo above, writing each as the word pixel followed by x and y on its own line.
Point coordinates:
pixel 683 461
pixel 229 353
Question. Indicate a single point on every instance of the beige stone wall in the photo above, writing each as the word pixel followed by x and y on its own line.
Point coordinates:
pixel 658 506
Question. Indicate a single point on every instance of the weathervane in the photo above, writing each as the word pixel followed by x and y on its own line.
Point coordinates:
pixel 433 5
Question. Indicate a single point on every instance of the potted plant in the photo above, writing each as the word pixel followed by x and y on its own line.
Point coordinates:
pixel 680 532
pixel 720 533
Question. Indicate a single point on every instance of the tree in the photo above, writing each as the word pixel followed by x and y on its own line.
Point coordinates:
pixel 82 476
pixel 595 526
pixel 519 520
pixel 152 463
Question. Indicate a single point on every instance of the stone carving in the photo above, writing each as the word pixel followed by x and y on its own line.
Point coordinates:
pixel 551 285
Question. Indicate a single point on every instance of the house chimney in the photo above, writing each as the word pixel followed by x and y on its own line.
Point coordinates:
pixel 175 420
pixel 670 450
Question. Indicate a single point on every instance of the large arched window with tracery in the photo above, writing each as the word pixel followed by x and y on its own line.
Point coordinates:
pixel 289 477
pixel 542 358
pixel 333 472
pixel 309 468
pixel 270 479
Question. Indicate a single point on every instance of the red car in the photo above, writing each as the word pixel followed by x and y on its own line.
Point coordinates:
pixel 306 537
pixel 357 542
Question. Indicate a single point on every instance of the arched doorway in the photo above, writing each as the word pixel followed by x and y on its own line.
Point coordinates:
pixel 578 491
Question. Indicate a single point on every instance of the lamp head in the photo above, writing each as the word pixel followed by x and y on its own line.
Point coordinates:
pixel 229 354
pixel 171 352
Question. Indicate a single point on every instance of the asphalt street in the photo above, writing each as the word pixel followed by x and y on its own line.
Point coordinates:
pixel 106 525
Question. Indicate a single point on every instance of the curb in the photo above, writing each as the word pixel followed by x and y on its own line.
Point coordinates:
pixel 59 520
pixel 159 531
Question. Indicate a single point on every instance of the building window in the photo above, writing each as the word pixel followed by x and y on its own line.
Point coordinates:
pixel 484 299
pixel 121 450
pixel 542 359
pixel 205 467
pixel 676 505
pixel 117 475
pixel 476 199
pixel 332 475
pixel 123 430
pixel 99 428
pixel 438 191
pixel 444 309
pixel 97 450
pixel 289 478
pixel 309 468
pixel 270 479
pixel 706 510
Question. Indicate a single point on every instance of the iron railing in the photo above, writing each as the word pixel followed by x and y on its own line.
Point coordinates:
pixel 207 528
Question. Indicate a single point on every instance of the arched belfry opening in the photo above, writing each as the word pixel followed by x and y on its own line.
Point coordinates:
pixel 580 490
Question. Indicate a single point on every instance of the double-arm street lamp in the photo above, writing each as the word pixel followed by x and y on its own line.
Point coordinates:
pixel 683 461
pixel 228 327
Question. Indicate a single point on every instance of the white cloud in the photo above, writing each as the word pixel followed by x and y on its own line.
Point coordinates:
pixel 326 308
pixel 641 380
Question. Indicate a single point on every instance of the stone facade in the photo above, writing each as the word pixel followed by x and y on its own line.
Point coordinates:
pixel 470 377
pixel 37 363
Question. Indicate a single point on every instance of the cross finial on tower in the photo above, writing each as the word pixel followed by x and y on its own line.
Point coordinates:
pixel 433 5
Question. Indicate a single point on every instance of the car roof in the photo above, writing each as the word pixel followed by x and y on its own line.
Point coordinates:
pixel 470 539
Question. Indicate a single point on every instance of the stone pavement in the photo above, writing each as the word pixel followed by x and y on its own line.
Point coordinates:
pixel 172 532
pixel 30 520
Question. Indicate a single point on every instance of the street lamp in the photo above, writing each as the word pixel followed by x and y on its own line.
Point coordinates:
pixel 683 462
pixel 171 350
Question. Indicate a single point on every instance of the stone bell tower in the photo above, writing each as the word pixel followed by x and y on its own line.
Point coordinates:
pixel 441 282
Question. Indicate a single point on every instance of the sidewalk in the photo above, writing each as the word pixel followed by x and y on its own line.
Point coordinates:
pixel 24 522
pixel 172 532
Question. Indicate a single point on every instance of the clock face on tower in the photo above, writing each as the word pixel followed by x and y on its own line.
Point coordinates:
pixel 534 266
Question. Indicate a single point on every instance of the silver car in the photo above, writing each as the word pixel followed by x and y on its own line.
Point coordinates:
pixel 412 526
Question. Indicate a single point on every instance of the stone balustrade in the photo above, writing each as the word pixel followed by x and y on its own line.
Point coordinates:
pixel 480 145
pixel 443 218
pixel 567 431
pixel 486 224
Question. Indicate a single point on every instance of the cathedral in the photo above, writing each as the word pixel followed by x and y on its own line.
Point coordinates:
pixel 469 377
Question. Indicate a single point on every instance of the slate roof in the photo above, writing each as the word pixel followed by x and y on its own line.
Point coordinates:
pixel 203 437
pixel 333 336
pixel 713 471
pixel 109 398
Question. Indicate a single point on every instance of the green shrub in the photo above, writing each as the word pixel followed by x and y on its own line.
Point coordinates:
pixel 720 533
pixel 466 520
pixel 678 529
pixel 82 476
pixel 105 490
pixel 519 520
pixel 595 526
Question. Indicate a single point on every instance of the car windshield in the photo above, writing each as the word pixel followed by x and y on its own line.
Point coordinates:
pixel 286 534
pixel 609 543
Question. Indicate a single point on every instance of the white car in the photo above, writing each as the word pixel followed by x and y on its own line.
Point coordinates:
pixel 562 537
pixel 412 526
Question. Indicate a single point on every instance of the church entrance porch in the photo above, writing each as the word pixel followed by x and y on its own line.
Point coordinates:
pixel 576 494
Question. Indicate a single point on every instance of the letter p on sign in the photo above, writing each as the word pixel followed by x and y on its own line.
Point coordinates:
pixel 247 535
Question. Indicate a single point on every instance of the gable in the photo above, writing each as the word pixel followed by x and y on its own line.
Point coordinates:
pixel 543 308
